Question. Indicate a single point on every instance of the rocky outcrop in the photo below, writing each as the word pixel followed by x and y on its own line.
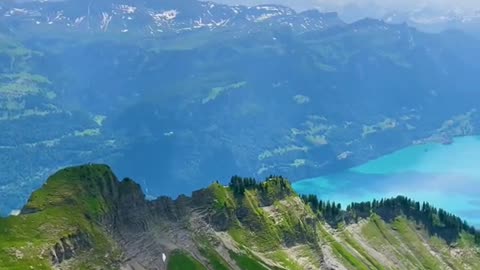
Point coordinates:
pixel 68 247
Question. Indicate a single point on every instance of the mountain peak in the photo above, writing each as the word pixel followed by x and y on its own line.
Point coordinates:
pixel 73 187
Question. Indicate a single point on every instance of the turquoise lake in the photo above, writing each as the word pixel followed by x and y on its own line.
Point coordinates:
pixel 448 176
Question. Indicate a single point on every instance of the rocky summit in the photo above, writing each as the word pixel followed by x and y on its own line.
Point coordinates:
pixel 85 218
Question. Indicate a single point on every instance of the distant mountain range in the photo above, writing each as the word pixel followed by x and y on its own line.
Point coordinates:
pixel 154 17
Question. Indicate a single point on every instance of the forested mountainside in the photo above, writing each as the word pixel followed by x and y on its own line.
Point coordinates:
pixel 84 218
pixel 174 107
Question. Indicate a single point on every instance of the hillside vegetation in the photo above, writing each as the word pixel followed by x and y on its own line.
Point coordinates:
pixel 84 218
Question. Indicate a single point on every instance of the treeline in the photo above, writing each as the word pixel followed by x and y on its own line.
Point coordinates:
pixel 328 210
pixel 435 220
pixel 240 184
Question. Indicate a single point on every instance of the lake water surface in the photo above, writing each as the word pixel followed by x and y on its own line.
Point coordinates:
pixel 447 176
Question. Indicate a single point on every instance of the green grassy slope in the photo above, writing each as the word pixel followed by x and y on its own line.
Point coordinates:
pixel 64 207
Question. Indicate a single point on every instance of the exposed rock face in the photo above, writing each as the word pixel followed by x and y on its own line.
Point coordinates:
pixel 164 225
pixel 69 246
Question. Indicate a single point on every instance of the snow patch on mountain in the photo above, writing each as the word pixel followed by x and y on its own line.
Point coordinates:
pixel 106 19
pixel 166 15
pixel 17 12
pixel 126 9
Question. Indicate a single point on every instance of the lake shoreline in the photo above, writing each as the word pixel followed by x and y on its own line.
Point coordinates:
pixel 444 174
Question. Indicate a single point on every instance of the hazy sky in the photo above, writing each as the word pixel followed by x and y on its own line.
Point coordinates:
pixel 355 9
pixel 372 7
pixel 386 4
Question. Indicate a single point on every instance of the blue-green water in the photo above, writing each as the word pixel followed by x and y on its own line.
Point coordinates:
pixel 447 176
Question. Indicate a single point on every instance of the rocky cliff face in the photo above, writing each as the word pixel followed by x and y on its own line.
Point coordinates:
pixel 67 247
pixel 84 218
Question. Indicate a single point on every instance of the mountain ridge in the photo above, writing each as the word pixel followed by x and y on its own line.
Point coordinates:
pixel 154 18
pixel 83 218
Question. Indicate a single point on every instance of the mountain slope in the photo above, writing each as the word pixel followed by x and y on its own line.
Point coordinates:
pixel 84 218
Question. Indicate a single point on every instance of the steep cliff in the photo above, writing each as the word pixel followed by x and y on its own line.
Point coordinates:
pixel 84 218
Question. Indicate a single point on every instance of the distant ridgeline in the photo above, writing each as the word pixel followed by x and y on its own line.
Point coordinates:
pixel 436 221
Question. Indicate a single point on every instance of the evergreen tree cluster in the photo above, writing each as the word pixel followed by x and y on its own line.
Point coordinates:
pixel 436 221
pixel 328 210
pixel 239 184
